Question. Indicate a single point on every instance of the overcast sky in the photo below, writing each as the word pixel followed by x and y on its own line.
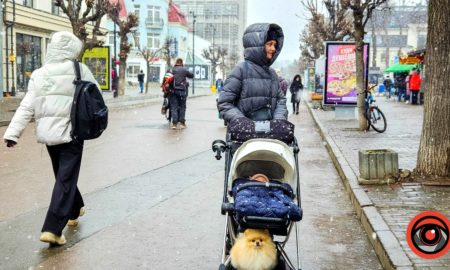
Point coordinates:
pixel 282 13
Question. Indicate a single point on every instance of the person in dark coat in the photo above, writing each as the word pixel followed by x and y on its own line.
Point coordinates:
pixel 251 90
pixel 177 99
pixel 141 76
pixel 295 89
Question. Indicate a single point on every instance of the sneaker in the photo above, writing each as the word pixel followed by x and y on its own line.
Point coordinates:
pixel 74 222
pixel 173 126
pixel 52 238
pixel 182 125
pixel 296 112
pixel 407 102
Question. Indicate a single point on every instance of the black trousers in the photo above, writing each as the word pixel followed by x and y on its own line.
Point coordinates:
pixel 414 96
pixel 177 108
pixel 66 198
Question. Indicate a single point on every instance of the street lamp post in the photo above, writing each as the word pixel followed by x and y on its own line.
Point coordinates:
pixel 213 57
pixel 116 87
pixel 193 49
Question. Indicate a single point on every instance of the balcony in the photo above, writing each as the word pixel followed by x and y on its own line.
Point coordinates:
pixel 154 24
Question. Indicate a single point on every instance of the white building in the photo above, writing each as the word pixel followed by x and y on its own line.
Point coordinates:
pixel 25 41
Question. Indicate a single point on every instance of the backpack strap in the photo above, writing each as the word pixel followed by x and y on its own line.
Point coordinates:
pixel 73 110
pixel 76 66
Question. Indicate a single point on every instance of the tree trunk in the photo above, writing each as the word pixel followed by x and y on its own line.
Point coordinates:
pixel 122 71
pixel 359 58
pixel 146 76
pixel 434 151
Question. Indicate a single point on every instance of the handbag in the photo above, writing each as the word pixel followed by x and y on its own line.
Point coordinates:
pixel 298 96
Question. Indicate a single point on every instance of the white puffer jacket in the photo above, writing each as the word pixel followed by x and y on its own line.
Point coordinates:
pixel 50 93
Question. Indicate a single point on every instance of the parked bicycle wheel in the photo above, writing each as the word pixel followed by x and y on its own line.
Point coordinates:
pixel 376 119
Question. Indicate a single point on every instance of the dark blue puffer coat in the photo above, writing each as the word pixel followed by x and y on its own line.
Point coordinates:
pixel 252 84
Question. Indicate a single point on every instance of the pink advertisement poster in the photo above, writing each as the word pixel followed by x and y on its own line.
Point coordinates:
pixel 340 84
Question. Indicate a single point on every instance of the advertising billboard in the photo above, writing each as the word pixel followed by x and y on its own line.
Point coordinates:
pixel 340 73
pixel 97 60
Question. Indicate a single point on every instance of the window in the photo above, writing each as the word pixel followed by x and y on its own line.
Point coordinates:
pixel 421 41
pixel 28 58
pixel 132 71
pixel 153 13
pixel 55 10
pixel 28 3
pixel 137 9
pixel 153 41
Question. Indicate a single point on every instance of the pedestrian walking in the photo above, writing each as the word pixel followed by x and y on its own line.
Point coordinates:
pixel 251 91
pixel 400 85
pixel 177 99
pixel 414 85
pixel 219 85
pixel 295 89
pixel 388 85
pixel 141 77
pixel 49 99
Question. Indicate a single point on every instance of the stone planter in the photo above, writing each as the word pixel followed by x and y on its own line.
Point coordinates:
pixel 378 166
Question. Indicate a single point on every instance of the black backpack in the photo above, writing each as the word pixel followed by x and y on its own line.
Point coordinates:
pixel 89 114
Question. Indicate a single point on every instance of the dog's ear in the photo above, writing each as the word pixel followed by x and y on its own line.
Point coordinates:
pixel 266 231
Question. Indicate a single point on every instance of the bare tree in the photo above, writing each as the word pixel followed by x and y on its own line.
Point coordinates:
pixel 223 52
pixel 151 55
pixel 320 28
pixel 362 11
pixel 212 54
pixel 125 28
pixel 94 11
pixel 233 59
pixel 434 151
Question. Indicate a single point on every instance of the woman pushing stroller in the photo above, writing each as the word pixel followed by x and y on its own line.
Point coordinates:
pixel 251 91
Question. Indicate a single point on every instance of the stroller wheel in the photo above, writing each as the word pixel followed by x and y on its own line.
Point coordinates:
pixel 223 267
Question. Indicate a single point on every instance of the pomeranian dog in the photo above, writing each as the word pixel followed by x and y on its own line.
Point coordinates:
pixel 254 250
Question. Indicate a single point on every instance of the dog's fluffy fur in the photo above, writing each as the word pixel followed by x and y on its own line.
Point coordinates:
pixel 254 250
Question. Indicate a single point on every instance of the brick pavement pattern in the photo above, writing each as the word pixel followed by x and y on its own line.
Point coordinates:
pixel 397 203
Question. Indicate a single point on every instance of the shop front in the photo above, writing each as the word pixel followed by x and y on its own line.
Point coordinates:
pixel 29 58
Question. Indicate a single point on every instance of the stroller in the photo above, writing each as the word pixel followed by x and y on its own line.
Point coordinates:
pixel 279 162
pixel 165 109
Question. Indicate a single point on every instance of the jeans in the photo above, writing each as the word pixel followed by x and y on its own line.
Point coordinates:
pixel 141 86
pixel 401 93
pixel 177 107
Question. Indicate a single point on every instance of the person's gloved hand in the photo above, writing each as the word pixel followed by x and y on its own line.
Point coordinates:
pixel 10 143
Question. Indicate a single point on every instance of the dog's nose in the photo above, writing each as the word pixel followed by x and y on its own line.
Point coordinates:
pixel 258 243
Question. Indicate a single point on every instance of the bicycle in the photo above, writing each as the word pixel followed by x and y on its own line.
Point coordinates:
pixel 375 117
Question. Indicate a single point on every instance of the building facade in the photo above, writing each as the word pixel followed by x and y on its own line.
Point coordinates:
pixel 222 22
pixel 394 32
pixel 163 28
pixel 28 26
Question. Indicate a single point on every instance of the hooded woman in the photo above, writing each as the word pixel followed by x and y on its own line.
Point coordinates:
pixel 251 90
pixel 49 99
pixel 295 88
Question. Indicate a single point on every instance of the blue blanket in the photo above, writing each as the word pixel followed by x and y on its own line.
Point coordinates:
pixel 264 202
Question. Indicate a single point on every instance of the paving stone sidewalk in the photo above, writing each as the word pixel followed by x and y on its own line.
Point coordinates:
pixel 395 204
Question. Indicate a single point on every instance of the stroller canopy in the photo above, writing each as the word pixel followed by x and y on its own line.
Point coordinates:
pixel 267 156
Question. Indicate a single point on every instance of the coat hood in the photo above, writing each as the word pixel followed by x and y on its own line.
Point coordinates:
pixel 63 46
pixel 255 37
